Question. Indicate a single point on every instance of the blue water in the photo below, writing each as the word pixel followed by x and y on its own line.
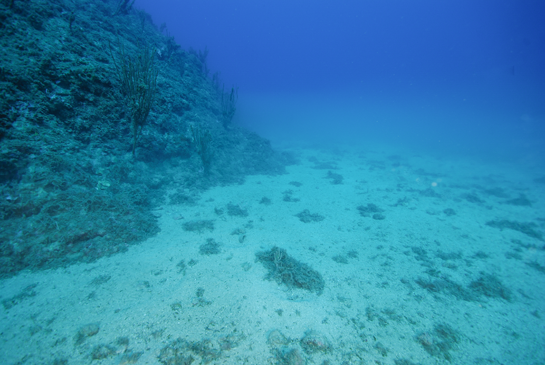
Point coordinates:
pixel 464 77
pixel 463 80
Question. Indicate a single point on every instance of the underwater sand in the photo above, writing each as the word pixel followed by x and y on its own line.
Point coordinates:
pixel 415 283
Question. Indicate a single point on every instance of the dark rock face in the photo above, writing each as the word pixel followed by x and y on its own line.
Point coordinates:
pixel 70 190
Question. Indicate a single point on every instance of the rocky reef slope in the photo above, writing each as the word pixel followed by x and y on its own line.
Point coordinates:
pixel 70 187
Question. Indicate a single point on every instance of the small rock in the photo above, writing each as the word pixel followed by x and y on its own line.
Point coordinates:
pixel 314 341
pixel 276 338
pixel 88 330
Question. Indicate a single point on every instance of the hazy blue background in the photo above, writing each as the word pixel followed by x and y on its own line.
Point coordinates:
pixel 458 76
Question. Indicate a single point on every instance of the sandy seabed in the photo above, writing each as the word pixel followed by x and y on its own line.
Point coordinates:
pixel 425 260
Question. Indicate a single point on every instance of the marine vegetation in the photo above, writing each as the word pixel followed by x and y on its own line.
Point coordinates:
pixel 137 78
pixel 284 269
